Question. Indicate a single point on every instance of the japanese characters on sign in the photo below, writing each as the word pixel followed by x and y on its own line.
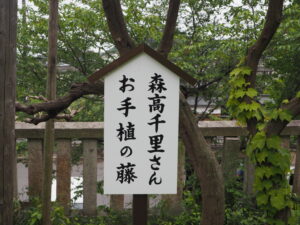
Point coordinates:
pixel 141 128
pixel 126 173
pixel 156 106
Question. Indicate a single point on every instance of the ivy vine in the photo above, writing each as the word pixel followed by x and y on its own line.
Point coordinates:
pixel 271 160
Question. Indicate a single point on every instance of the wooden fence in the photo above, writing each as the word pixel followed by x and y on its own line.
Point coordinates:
pixel 90 133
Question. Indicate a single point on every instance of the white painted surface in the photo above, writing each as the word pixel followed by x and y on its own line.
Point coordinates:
pixel 141 69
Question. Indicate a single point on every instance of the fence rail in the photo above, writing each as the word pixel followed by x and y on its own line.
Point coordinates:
pixel 92 132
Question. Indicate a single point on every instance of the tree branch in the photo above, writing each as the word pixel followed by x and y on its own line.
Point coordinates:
pixel 52 108
pixel 117 26
pixel 169 30
pixel 205 165
pixel 43 118
pixel 273 19
pixel 275 127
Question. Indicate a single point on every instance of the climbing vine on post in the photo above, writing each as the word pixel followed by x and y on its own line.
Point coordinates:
pixel 272 162
pixel 240 109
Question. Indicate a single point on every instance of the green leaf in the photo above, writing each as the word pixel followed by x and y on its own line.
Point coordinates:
pixel 285 116
pixel 251 92
pixel 263 171
pixel 273 142
pixel 285 101
pixel 259 140
pixel 239 93
pixel 261 156
pixel 243 70
pixel 261 199
pixel 267 184
pixel 274 114
pixel 238 82
pixel 278 200
pixel 254 106
pixel 259 172
pixel 298 94
pixel 258 116
pixel 275 158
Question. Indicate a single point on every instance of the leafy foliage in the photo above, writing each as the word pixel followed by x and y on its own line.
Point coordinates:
pixel 32 215
pixel 240 209
pixel 272 162
pixel 283 57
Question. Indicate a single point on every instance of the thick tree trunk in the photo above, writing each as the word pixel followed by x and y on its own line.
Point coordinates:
pixel 8 21
pixel 205 165
pixel 51 94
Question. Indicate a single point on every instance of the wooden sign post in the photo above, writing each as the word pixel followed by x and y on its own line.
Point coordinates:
pixel 141 111
pixel 8 26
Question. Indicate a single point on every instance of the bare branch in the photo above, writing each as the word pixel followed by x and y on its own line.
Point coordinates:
pixel 52 108
pixel 38 119
pixel 117 26
pixel 273 19
pixel 168 35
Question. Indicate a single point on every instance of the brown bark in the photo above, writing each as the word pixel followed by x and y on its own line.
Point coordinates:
pixel 49 130
pixel 205 165
pixel 8 21
pixel 169 30
pixel 275 127
pixel 273 19
pixel 117 26
pixel 53 107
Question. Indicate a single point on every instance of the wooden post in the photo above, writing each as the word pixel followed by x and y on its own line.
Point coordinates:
pixel 90 177
pixel 8 21
pixel 296 184
pixel 248 177
pixel 63 173
pixel 230 156
pixel 35 167
pixel 140 209
pixel 51 95
pixel 117 202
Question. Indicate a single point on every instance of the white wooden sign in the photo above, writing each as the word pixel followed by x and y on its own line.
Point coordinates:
pixel 141 113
